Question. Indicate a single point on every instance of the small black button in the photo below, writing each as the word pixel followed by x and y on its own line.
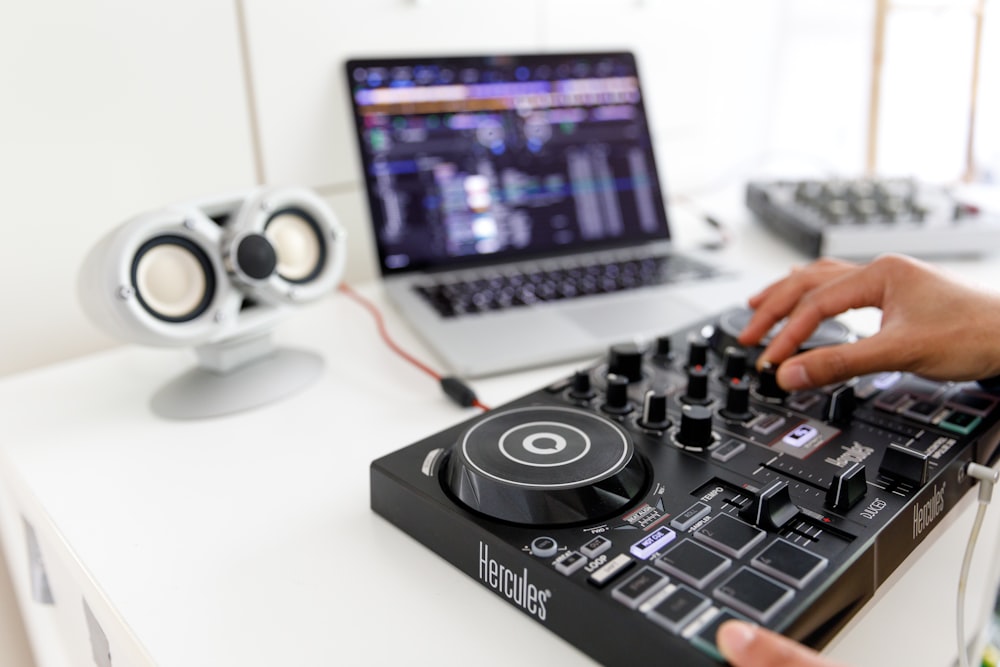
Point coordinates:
pixel 730 535
pixel 753 594
pixel 789 563
pixel 690 516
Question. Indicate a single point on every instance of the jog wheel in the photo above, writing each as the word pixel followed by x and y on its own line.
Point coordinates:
pixel 545 466
pixel 732 322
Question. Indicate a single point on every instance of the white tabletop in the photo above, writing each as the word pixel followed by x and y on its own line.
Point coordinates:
pixel 248 540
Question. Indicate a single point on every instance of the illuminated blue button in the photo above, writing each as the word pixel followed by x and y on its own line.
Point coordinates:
pixel 653 542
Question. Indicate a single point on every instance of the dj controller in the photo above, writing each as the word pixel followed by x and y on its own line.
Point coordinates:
pixel 636 505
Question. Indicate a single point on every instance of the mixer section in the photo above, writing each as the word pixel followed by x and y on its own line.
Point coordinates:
pixel 636 505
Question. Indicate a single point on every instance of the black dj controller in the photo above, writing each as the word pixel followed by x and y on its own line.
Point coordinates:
pixel 864 217
pixel 633 507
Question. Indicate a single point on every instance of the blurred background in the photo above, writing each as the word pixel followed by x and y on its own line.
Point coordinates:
pixel 111 108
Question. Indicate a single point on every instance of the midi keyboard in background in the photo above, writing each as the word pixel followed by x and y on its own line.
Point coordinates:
pixel 865 217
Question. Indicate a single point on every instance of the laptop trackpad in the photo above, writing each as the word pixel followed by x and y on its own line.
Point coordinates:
pixel 632 318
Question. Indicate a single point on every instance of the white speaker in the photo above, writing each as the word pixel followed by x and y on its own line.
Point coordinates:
pixel 218 274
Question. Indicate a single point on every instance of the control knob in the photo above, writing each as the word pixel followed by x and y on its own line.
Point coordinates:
pixel 654 411
pixel 625 359
pixel 737 401
pixel 581 388
pixel 735 363
pixel 697 387
pixel 616 397
pixel 767 385
pixel 697 352
pixel 696 427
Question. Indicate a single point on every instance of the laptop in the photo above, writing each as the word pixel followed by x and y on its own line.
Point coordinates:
pixel 517 209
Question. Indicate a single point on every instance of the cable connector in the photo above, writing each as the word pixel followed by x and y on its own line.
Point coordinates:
pixel 987 477
pixel 458 391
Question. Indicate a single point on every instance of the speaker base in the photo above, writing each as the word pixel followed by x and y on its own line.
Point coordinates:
pixel 201 393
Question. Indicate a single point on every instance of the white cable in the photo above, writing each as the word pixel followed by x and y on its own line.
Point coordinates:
pixel 987 478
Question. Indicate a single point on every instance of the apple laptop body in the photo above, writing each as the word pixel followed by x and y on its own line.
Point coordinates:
pixel 517 208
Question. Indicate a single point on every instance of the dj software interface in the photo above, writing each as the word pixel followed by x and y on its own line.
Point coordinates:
pixel 505 154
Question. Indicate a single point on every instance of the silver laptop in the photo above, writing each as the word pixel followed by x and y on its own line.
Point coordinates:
pixel 517 209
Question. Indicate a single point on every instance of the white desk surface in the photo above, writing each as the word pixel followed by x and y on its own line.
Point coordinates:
pixel 248 540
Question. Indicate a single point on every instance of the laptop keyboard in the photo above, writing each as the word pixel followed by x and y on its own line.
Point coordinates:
pixel 509 290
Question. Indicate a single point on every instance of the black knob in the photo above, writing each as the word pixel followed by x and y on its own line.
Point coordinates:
pixel 767 385
pixel 735 363
pixel 848 487
pixel 654 411
pixel 840 406
pixel 697 386
pixel 696 427
pixel 697 352
pixel 581 389
pixel 662 350
pixel 616 397
pixel 626 360
pixel 771 507
pixel 737 401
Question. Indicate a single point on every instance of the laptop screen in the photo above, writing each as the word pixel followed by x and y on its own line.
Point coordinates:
pixel 471 160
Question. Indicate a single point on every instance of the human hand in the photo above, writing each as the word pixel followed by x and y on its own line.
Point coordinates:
pixel 746 645
pixel 932 325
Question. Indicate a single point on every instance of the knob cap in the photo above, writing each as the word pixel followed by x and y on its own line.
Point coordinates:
pixel 616 397
pixel 697 352
pixel 840 406
pixel 735 363
pixel 662 350
pixel 848 487
pixel 737 401
pixel 626 360
pixel 767 385
pixel 771 507
pixel 581 389
pixel 697 387
pixel 696 427
pixel 654 411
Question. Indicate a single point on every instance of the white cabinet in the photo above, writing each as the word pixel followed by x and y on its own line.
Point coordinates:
pixel 297 50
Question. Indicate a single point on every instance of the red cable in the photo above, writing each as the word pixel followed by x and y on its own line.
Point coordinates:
pixel 384 334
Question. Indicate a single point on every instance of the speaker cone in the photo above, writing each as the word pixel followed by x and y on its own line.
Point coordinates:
pixel 173 278
pixel 298 242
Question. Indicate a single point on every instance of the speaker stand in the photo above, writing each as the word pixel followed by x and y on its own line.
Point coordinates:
pixel 234 376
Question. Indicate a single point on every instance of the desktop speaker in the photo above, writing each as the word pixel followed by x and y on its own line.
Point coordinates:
pixel 217 274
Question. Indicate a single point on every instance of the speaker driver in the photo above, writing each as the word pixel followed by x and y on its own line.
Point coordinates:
pixel 173 278
pixel 307 239
pixel 299 244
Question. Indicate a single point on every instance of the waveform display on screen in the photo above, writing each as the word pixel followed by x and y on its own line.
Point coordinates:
pixel 466 161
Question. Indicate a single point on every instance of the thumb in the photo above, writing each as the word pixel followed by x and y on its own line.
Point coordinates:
pixel 746 645
pixel 836 363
